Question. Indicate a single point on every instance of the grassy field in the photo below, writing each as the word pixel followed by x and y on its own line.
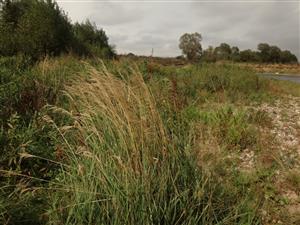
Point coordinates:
pixel 137 142
pixel 276 68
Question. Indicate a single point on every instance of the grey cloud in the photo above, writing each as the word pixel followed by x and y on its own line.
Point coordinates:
pixel 247 24
pixel 140 26
pixel 110 14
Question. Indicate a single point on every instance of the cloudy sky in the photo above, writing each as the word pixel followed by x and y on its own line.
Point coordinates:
pixel 138 26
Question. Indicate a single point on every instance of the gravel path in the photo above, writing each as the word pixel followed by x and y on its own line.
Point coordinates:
pixel 285 119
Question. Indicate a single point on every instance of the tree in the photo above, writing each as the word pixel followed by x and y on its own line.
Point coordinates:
pixel 208 55
pixel 223 52
pixel 37 28
pixel 10 14
pixel 274 54
pixel 264 52
pixel 52 30
pixel 287 57
pixel 235 54
pixel 191 46
pixel 34 27
pixel 91 41
pixel 248 56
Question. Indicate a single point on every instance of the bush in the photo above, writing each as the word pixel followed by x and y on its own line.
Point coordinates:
pixel 91 41
pixel 11 69
pixel 28 143
pixel 232 127
pixel 37 28
pixel 26 89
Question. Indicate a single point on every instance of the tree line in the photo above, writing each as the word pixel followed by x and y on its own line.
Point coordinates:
pixel 36 28
pixel 190 44
pixel 39 28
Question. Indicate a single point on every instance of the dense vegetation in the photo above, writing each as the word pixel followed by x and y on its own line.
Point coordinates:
pixel 265 54
pixel 39 28
pixel 192 49
pixel 84 143
pixel 96 141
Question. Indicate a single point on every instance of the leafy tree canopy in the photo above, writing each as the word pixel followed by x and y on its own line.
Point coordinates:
pixel 92 41
pixel 266 54
pixel 190 44
pixel 37 28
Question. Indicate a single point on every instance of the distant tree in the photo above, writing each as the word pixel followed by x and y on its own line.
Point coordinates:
pixel 248 56
pixel 274 54
pixel 235 54
pixel 264 52
pixel 190 44
pixel 263 47
pixel 287 57
pixel 235 50
pixel 181 57
pixel 208 55
pixel 223 51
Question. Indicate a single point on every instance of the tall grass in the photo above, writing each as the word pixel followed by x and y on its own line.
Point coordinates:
pixel 24 91
pixel 124 169
pixel 131 144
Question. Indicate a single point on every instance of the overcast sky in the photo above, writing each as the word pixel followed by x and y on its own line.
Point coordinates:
pixel 139 26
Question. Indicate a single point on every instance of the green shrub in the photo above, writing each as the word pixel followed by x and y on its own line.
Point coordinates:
pixel 232 127
pixel 88 40
pixel 39 28
pixel 11 69
pixel 28 143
